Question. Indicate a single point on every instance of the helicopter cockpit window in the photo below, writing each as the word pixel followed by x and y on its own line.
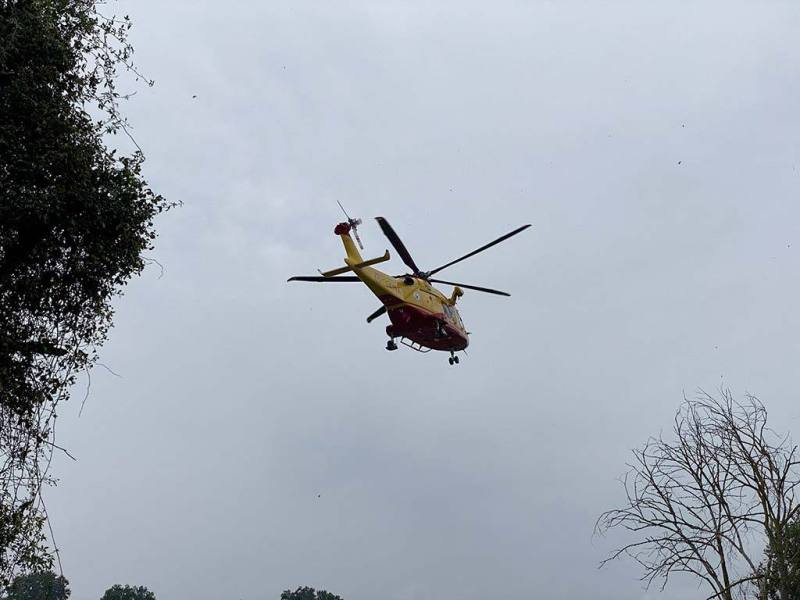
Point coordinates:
pixel 449 313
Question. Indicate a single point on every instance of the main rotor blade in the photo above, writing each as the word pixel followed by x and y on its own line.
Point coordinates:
pixel 376 314
pixel 471 287
pixel 481 249
pixel 321 279
pixel 397 243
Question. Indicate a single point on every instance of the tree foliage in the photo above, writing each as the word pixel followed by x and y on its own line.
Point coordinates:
pixel 771 573
pixel 308 593
pixel 128 592
pixel 75 218
pixel 708 499
pixel 42 585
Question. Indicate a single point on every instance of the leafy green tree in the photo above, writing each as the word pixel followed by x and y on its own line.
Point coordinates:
pixel 308 593
pixel 128 592
pixel 75 218
pixel 787 586
pixel 44 585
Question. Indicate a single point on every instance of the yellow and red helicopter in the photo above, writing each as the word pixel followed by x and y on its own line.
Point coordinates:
pixel 422 317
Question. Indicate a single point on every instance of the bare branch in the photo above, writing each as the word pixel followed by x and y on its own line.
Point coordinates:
pixel 708 500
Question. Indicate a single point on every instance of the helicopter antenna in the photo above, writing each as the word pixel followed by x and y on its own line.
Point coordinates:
pixel 354 223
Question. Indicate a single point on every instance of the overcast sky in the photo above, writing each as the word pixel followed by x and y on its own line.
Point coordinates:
pixel 259 437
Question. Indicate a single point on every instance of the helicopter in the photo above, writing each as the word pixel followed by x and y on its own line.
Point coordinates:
pixel 421 317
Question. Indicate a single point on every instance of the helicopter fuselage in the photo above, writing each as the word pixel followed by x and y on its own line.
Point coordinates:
pixel 417 310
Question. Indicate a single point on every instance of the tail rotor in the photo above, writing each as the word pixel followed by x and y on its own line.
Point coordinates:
pixel 354 223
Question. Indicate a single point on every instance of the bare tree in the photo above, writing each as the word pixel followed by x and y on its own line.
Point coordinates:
pixel 709 500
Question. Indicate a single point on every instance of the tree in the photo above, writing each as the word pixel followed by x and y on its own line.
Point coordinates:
pixel 128 592
pixel 308 593
pixel 707 501
pixel 44 585
pixel 75 218
pixel 772 577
